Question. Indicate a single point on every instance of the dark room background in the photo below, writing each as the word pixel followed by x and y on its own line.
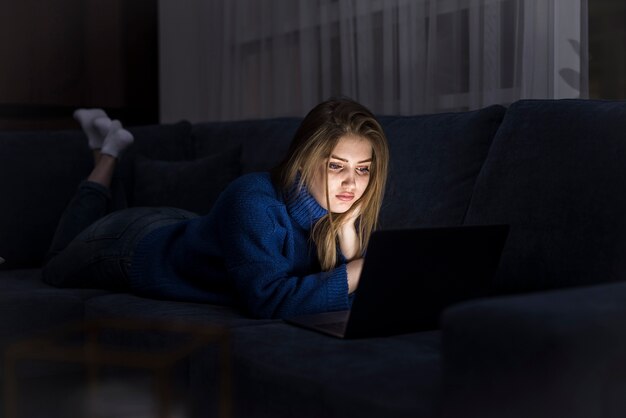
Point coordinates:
pixel 58 55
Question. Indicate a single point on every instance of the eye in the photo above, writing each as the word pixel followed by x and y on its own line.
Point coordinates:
pixel 363 170
pixel 334 166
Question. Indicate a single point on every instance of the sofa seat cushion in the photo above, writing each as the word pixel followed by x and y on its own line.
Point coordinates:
pixel 122 305
pixel 29 279
pixel 556 174
pixel 434 162
pixel 27 312
pixel 21 279
pixel 29 306
pixel 284 371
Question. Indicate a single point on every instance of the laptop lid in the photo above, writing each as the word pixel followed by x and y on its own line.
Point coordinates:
pixel 410 276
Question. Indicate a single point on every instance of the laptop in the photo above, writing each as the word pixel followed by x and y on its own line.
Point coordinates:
pixel 410 276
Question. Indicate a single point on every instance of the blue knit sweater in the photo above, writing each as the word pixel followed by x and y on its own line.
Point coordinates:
pixel 253 250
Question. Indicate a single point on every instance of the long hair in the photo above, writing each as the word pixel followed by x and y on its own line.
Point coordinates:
pixel 312 144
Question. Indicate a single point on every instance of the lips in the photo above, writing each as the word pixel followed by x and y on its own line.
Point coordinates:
pixel 345 197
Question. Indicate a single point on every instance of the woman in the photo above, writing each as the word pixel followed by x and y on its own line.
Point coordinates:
pixel 275 244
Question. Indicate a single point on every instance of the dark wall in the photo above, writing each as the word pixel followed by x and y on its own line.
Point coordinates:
pixel 607 49
pixel 58 55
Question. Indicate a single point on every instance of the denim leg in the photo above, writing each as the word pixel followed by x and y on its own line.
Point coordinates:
pixel 118 194
pixel 90 203
pixel 99 257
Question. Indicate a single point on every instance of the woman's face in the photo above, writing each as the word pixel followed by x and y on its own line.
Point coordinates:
pixel 348 171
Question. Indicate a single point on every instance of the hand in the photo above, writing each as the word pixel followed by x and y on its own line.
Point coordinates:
pixel 353 216
pixel 348 237
pixel 354 268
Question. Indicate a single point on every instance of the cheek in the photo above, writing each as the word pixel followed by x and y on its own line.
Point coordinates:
pixel 362 183
pixel 334 181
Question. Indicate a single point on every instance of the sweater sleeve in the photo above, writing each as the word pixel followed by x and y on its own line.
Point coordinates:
pixel 254 238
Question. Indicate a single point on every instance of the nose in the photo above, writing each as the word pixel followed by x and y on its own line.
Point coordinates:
pixel 349 180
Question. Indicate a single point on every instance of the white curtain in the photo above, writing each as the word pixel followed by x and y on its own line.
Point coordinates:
pixel 242 59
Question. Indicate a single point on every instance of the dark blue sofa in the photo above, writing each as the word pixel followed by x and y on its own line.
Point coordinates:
pixel 552 343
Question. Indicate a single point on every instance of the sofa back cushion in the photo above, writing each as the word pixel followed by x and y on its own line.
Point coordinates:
pixel 39 173
pixel 263 142
pixel 165 142
pixel 191 185
pixel 556 173
pixel 434 162
pixel 434 158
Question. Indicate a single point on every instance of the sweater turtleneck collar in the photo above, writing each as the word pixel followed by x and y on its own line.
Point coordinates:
pixel 302 206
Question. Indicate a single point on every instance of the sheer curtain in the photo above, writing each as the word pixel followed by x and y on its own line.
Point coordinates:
pixel 241 59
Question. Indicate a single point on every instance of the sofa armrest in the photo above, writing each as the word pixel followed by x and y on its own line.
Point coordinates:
pixel 559 353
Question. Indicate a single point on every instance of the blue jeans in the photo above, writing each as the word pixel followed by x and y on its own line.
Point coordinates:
pixel 93 249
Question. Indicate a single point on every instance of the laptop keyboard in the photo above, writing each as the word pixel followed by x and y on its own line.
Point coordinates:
pixel 334 326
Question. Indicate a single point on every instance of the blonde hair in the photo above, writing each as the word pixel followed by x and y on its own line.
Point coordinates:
pixel 313 142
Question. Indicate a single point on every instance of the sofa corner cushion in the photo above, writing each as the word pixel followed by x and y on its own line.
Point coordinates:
pixel 543 354
pixel 434 162
pixel 190 185
pixel 556 174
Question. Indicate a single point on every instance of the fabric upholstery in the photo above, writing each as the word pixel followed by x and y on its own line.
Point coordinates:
pixel 432 187
pixel 553 170
pixel 123 305
pixel 190 185
pixel 40 171
pixel 29 279
pixel 263 142
pixel 556 174
pixel 377 377
pixel 434 162
pixel 541 355
pixel 166 142
pixel 27 305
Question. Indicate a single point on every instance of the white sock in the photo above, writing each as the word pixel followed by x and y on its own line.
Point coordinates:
pixel 116 140
pixel 102 125
pixel 86 118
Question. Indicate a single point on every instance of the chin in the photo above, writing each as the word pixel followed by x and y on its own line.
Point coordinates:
pixel 340 208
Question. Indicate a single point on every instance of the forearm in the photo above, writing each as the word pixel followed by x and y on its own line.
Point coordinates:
pixel 351 250
pixel 267 290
